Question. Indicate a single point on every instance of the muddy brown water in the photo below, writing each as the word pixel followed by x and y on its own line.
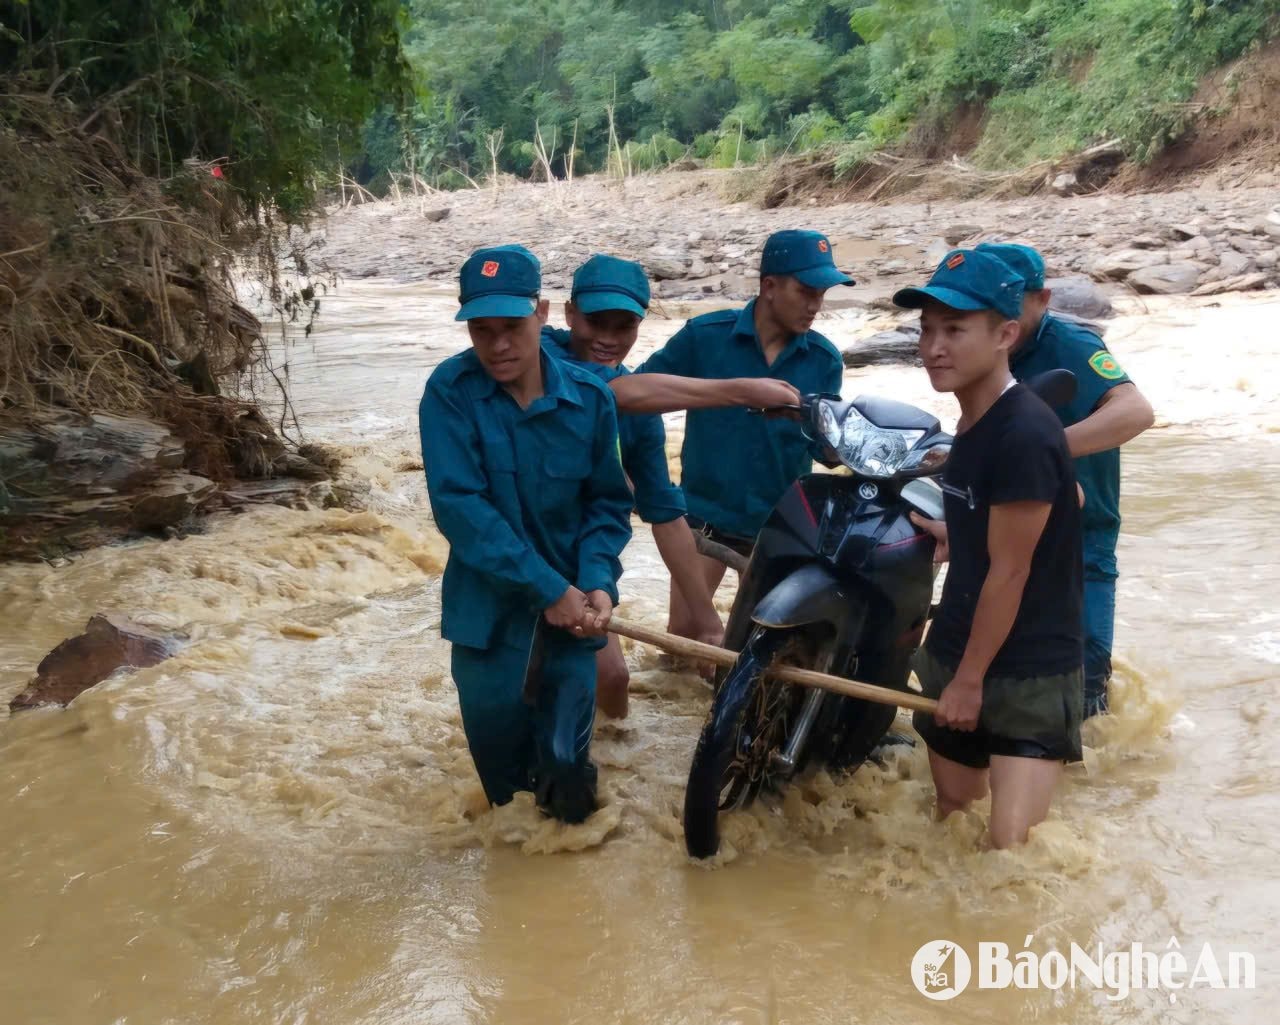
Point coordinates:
pixel 282 823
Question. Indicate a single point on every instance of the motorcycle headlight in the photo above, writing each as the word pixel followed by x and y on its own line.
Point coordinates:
pixel 870 450
pixel 828 425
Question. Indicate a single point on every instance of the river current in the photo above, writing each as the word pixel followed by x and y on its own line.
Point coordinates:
pixel 282 825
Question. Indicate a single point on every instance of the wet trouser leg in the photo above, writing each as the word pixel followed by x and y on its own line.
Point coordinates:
pixel 544 748
pixel 498 724
pixel 1099 633
pixel 565 776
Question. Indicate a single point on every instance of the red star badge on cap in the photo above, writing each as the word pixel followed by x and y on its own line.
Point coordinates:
pixel 822 245
pixel 490 269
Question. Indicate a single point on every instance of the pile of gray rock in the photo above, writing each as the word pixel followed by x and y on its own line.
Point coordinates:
pixel 1205 257
pixel 1074 298
pixel 696 245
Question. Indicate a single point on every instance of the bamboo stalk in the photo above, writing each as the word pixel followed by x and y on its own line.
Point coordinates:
pixel 788 674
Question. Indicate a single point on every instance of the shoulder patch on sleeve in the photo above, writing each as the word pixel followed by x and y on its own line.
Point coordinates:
pixel 1105 366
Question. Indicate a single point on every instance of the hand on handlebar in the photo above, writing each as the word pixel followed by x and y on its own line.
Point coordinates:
pixel 938 528
pixel 770 396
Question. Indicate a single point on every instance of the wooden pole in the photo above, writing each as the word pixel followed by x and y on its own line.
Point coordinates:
pixel 713 550
pixel 789 674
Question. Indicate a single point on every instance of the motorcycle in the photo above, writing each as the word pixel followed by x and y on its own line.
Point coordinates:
pixel 840 580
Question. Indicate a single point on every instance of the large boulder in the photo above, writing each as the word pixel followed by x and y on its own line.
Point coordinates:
pixel 1232 264
pixel 662 268
pixel 958 233
pixel 1241 283
pixel 1167 279
pixel 1078 296
pixel 898 346
pixel 109 642
pixel 1065 184
pixel 1120 264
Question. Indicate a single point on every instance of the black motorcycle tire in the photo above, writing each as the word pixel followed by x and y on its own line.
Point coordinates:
pixel 716 743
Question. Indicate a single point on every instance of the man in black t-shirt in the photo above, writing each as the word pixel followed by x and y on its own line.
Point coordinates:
pixel 1003 656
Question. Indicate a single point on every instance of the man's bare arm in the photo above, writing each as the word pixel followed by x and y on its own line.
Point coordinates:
pixel 1012 535
pixel 667 393
pixel 1121 415
pixel 1013 532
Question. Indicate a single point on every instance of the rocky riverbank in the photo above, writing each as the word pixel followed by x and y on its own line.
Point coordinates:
pixel 70 480
pixel 698 245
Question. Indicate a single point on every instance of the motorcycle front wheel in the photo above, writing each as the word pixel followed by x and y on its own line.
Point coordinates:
pixel 748 724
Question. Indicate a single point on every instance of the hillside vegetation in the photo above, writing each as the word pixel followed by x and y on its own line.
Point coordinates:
pixel 647 83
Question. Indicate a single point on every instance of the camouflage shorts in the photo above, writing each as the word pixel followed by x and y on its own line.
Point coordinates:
pixel 1031 717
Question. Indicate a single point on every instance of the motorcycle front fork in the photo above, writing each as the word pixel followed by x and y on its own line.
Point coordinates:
pixel 784 761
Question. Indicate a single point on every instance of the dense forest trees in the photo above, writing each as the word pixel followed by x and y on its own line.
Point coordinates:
pixel 287 91
pixel 279 89
pixel 735 81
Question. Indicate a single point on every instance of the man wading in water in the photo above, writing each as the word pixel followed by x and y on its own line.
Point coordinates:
pixel 1003 655
pixel 1107 411
pixel 609 299
pixel 735 466
pixel 521 457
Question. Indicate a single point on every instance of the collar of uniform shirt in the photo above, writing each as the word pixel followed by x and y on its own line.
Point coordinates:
pixel 745 327
pixel 555 386
pixel 1033 341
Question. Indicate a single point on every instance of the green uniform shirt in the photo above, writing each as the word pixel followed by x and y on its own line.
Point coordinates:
pixel 736 465
pixel 530 500
pixel 1060 344
pixel 642 440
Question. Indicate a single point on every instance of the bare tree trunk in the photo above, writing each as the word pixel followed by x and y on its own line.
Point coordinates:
pixel 616 158
pixel 494 141
pixel 540 151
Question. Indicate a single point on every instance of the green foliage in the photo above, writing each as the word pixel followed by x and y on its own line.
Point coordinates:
pixel 1055 75
pixel 279 89
pixel 737 81
pixel 286 90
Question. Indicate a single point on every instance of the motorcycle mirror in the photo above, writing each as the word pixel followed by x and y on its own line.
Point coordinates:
pixel 1055 387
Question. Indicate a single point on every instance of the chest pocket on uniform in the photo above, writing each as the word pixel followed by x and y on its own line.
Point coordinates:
pixel 565 473
pixel 500 468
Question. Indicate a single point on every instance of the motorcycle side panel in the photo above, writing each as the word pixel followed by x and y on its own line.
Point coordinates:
pixel 824 521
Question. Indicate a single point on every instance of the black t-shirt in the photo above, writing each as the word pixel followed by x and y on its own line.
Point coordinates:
pixel 1017 452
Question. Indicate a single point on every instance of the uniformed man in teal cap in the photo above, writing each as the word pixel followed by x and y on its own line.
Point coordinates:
pixel 521 458
pixel 610 298
pixel 735 466
pixel 1002 656
pixel 1107 411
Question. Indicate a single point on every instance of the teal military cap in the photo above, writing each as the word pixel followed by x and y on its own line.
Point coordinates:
pixel 969 280
pixel 1026 262
pixel 500 281
pixel 609 283
pixel 804 255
